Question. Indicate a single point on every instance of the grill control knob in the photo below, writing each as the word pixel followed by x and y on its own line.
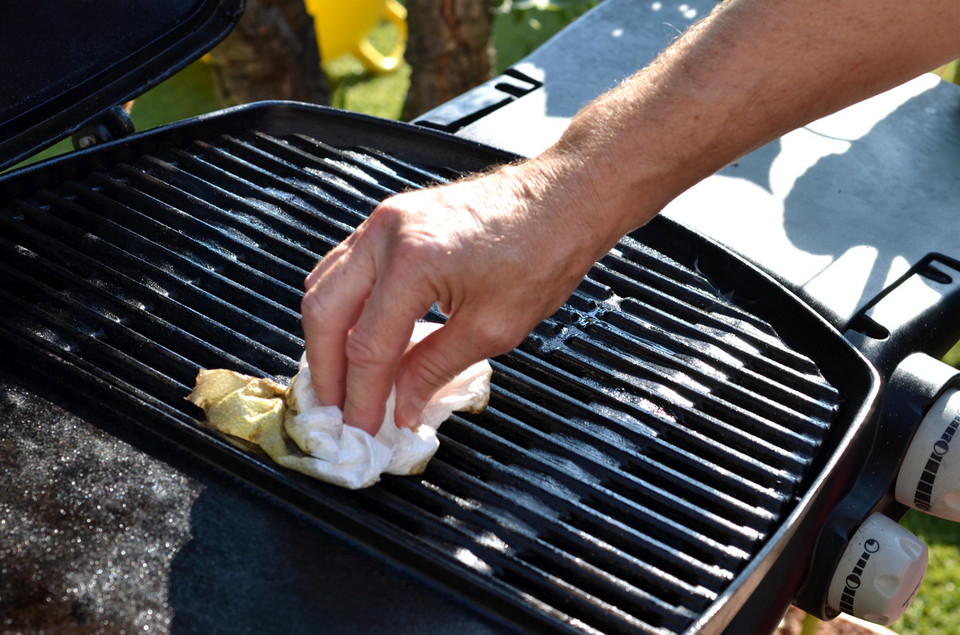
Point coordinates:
pixel 929 478
pixel 879 573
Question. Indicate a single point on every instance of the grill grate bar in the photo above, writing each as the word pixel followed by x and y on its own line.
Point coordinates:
pixel 247 220
pixel 737 431
pixel 493 483
pixel 578 497
pixel 456 526
pixel 681 314
pixel 397 173
pixel 684 427
pixel 210 248
pixel 631 448
pixel 585 461
pixel 292 166
pixel 102 317
pixel 212 228
pixel 708 363
pixel 163 291
pixel 46 329
pixel 663 366
pixel 635 264
pixel 233 157
pixel 511 521
pixel 638 429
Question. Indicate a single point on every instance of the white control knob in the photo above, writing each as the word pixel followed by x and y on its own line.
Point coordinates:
pixel 879 573
pixel 929 478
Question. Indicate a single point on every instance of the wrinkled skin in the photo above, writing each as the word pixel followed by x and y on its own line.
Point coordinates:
pixel 500 252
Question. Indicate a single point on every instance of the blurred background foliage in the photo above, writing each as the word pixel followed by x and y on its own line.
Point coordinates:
pixel 518 27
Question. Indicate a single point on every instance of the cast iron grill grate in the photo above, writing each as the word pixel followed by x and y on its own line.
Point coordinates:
pixel 639 447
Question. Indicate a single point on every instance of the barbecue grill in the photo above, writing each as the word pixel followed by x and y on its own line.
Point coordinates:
pixel 666 454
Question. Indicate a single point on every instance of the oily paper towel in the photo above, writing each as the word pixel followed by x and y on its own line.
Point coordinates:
pixel 291 426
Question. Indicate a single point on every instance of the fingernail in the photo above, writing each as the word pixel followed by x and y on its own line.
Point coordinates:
pixel 410 413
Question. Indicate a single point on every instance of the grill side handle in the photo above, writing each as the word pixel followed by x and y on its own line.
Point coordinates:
pixel 918 313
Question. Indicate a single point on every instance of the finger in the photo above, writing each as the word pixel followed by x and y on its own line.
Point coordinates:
pixel 442 355
pixel 333 256
pixel 378 341
pixel 332 303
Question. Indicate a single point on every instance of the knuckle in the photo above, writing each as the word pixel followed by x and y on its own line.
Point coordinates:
pixel 362 351
pixel 316 275
pixel 311 305
pixel 497 336
pixel 413 236
pixel 388 216
pixel 429 371
pixel 414 258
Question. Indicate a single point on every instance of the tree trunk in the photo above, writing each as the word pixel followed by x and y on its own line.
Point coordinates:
pixel 271 54
pixel 449 50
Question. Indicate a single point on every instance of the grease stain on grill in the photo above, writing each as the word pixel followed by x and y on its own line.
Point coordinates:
pixel 640 446
pixel 342 166
pixel 601 430
pixel 469 559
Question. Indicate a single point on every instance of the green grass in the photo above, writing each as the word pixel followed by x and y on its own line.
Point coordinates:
pixel 516 34
pixel 353 88
pixel 519 32
pixel 187 94
pixel 936 610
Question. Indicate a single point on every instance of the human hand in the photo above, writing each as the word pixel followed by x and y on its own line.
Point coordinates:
pixel 497 254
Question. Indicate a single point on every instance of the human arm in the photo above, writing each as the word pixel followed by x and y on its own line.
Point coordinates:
pixel 500 252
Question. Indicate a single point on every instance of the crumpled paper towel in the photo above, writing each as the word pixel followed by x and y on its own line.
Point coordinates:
pixel 291 426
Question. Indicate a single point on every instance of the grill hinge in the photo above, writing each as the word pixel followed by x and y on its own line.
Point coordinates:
pixel 111 124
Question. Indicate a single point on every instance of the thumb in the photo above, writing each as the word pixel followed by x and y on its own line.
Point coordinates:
pixel 436 361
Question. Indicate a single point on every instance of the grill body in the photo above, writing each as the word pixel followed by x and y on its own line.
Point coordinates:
pixel 649 452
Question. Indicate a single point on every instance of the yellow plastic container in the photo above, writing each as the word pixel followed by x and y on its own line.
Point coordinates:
pixel 343 26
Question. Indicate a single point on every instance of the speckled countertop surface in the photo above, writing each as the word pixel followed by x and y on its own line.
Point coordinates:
pixel 97 535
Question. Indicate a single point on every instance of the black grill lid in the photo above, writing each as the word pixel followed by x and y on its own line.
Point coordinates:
pixel 65 62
